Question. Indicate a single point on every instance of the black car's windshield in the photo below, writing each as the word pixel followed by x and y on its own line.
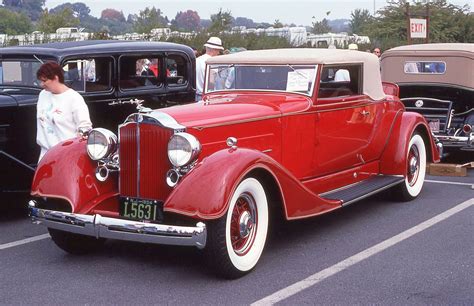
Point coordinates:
pixel 19 73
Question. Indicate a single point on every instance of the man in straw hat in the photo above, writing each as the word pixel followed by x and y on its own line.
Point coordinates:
pixel 213 47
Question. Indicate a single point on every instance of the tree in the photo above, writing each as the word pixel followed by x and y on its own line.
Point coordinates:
pixel 80 9
pixel 220 22
pixel 277 24
pixel 320 27
pixel 187 21
pixel 112 14
pixel 244 22
pixel 13 23
pixel 448 23
pixel 360 20
pixel 149 19
pixel 50 22
pixel 31 8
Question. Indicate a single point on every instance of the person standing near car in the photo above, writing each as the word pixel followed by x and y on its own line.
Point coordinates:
pixel 61 112
pixel 213 47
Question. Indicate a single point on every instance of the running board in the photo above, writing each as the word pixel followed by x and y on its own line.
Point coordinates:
pixel 364 189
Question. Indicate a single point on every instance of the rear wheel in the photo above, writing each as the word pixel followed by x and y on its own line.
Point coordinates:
pixel 75 243
pixel 237 239
pixel 416 170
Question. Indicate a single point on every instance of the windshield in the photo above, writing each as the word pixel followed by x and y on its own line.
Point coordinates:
pixel 19 73
pixel 290 78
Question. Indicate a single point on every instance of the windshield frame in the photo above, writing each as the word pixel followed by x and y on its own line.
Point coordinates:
pixel 295 68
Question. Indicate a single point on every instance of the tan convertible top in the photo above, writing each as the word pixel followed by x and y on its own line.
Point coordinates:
pixel 299 56
pixel 459 59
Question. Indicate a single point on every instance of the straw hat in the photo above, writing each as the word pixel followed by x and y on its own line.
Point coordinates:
pixel 214 43
pixel 353 47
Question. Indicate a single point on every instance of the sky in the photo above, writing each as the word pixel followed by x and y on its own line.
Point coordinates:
pixel 299 12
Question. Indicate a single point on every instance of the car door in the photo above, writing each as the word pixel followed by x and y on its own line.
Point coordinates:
pixel 345 120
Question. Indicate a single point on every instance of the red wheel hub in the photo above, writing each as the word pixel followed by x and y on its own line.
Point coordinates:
pixel 243 227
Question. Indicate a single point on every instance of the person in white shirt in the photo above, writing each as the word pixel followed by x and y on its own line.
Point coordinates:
pixel 213 47
pixel 61 112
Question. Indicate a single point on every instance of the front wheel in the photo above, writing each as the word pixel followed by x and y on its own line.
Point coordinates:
pixel 74 243
pixel 236 240
pixel 416 170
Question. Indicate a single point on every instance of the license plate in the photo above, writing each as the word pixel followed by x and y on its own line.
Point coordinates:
pixel 434 125
pixel 141 209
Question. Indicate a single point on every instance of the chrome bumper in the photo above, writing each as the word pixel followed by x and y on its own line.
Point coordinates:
pixel 104 227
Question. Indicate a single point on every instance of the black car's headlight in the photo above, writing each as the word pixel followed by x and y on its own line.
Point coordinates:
pixel 183 149
pixel 101 143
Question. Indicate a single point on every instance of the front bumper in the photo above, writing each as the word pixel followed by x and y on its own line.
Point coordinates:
pixel 104 227
pixel 465 143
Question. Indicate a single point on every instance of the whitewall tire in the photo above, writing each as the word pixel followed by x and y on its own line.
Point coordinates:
pixel 236 240
pixel 415 169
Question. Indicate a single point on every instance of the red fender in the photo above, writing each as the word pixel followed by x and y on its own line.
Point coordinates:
pixel 393 160
pixel 66 172
pixel 206 190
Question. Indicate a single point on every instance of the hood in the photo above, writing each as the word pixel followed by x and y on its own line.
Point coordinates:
pixel 218 109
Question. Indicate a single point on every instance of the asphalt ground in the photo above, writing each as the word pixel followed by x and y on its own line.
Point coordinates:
pixel 305 262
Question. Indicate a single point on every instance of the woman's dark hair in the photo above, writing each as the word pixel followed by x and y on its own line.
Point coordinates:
pixel 49 70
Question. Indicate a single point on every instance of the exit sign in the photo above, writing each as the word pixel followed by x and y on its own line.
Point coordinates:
pixel 417 28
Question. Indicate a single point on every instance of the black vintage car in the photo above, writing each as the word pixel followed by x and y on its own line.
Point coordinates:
pixel 110 75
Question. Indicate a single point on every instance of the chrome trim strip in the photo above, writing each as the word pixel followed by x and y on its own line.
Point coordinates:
pixel 138 158
pixel 159 118
pixel 111 228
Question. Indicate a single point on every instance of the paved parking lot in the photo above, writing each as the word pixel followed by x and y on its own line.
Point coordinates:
pixel 373 252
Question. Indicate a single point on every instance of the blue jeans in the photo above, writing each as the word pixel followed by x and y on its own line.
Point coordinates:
pixel 198 97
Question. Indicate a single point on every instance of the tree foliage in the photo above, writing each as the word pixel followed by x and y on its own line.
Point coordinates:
pixel 447 23
pixel 360 20
pixel 13 23
pixel 50 22
pixel 222 21
pixel 31 8
pixel 186 21
pixel 244 22
pixel 112 15
pixel 79 9
pixel 277 24
pixel 320 27
pixel 149 19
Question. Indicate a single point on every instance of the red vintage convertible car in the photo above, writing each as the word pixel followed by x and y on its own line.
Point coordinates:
pixel 295 132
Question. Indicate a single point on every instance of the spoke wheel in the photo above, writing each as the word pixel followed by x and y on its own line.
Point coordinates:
pixel 415 170
pixel 237 239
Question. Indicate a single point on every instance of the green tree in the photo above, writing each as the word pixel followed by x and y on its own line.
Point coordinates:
pixel 80 9
pixel 50 22
pixel 277 24
pixel 447 23
pixel 149 19
pixel 13 23
pixel 31 8
pixel 320 27
pixel 222 21
pixel 360 21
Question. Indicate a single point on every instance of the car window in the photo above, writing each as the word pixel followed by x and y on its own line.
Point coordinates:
pixel 138 72
pixel 89 75
pixel 176 70
pixel 291 78
pixel 19 73
pixel 340 80
pixel 431 67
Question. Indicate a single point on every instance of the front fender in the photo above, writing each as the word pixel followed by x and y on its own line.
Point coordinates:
pixel 205 191
pixel 66 172
pixel 393 160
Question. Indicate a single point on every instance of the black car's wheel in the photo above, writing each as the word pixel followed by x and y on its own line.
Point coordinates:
pixel 75 243
pixel 416 170
pixel 236 240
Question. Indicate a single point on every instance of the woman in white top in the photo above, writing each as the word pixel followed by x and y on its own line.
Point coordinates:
pixel 61 112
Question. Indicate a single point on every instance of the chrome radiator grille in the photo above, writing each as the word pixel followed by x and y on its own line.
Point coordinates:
pixel 144 161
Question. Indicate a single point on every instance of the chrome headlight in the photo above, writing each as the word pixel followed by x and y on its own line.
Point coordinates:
pixel 101 143
pixel 183 149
